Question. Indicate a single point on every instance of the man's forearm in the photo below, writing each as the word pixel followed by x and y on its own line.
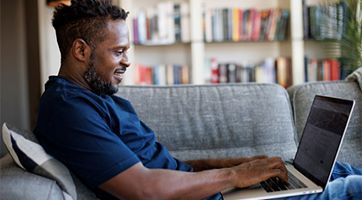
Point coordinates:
pixel 190 185
pixel 206 164
pixel 143 183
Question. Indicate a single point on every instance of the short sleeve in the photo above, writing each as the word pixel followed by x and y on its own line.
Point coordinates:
pixel 82 139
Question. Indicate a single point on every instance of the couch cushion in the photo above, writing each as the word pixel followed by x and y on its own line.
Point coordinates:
pixel 30 156
pixel 16 183
pixel 16 175
pixel 302 97
pixel 3 150
pixel 213 121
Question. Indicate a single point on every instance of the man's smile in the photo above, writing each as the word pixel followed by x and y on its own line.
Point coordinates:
pixel 118 73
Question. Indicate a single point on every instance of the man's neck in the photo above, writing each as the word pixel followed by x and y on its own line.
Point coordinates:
pixel 73 76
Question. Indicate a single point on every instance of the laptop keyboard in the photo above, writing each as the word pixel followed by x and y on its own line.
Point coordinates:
pixel 275 184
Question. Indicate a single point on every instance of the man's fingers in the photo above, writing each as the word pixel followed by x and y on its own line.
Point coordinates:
pixel 276 162
pixel 279 173
pixel 278 168
pixel 273 167
pixel 258 157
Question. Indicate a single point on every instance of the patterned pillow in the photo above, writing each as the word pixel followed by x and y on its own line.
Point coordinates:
pixel 29 155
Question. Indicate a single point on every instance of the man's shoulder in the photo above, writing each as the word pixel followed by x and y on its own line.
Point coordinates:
pixel 59 90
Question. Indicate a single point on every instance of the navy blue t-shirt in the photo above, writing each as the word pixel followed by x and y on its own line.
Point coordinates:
pixel 96 136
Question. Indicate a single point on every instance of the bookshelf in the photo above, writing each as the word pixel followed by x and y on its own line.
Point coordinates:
pixel 323 28
pixel 197 52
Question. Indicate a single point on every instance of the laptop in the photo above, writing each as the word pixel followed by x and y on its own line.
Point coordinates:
pixel 310 170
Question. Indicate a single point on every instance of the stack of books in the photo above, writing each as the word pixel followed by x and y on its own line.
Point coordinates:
pixel 162 74
pixel 324 22
pixel 271 70
pixel 166 23
pixel 236 24
pixel 322 69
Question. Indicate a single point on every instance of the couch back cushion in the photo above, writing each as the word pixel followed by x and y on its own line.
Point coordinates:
pixel 302 97
pixel 213 121
pixel 3 150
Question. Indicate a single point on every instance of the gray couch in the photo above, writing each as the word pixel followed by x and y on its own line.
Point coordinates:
pixel 213 121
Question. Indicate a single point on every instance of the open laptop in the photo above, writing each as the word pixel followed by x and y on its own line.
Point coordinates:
pixel 316 155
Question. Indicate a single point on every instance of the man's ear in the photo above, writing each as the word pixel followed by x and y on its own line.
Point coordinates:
pixel 80 50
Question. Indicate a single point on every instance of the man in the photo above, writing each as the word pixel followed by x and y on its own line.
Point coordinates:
pixel 99 137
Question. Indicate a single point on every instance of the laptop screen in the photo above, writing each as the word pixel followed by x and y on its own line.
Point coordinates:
pixel 322 136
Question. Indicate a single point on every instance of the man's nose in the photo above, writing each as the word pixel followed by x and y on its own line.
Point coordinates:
pixel 124 61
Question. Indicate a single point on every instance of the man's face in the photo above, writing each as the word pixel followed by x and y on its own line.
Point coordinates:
pixel 109 60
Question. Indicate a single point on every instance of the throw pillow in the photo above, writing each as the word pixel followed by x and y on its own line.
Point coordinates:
pixel 29 155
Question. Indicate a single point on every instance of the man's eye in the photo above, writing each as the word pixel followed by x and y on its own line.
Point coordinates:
pixel 120 52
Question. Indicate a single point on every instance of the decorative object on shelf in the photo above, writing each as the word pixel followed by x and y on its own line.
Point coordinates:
pixel 55 3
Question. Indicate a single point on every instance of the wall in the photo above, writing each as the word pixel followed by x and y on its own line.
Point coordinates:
pixel 49 51
pixel 13 87
pixel 20 62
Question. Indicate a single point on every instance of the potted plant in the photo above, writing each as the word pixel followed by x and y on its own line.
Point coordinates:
pixel 351 41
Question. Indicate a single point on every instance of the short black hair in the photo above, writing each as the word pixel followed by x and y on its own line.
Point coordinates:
pixel 83 19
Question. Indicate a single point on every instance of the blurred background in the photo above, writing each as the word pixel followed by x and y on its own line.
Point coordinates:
pixel 286 42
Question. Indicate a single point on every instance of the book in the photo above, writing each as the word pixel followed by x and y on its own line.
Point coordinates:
pixel 236 24
pixel 177 74
pixel 231 74
pixel 170 23
pixel 305 20
pixel 142 27
pixel 282 25
pixel 269 70
pixel 223 73
pixel 214 71
pixel 185 22
pixel 161 69
pixel 275 17
pixel 177 22
pixel 335 69
pixel 169 74
pixel 313 70
pixel 265 18
pixel 135 30
pixel 244 25
pixel 326 70
pixel 255 35
pixel 185 76
pixel 283 72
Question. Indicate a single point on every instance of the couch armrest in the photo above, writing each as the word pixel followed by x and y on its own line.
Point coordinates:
pixel 302 97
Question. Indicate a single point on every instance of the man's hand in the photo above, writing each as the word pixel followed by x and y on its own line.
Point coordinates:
pixel 258 170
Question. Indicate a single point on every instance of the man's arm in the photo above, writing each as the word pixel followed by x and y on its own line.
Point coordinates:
pixel 205 164
pixel 139 182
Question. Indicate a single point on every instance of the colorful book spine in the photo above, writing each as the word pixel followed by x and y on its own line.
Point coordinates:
pixel 162 74
pixel 271 70
pixel 238 24
pixel 322 69
pixel 165 23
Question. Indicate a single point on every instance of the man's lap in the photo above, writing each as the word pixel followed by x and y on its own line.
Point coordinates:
pixel 346 183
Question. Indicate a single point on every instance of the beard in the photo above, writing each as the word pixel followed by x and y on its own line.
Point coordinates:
pixel 96 83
